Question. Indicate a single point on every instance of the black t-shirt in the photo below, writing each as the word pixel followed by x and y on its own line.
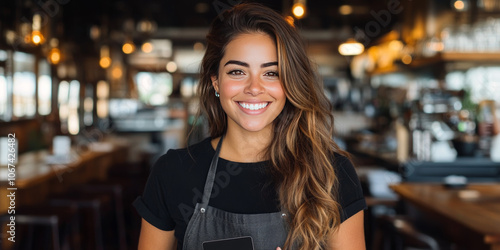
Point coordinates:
pixel 177 180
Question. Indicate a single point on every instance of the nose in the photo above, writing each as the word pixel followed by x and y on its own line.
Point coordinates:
pixel 254 86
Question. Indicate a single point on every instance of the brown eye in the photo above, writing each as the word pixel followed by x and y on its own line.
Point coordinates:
pixel 272 74
pixel 235 72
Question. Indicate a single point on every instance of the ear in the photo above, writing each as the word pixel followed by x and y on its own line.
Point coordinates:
pixel 215 83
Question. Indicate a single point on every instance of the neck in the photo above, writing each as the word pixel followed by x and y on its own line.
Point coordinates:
pixel 244 146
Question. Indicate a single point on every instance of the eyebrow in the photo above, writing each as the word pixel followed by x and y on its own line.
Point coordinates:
pixel 244 64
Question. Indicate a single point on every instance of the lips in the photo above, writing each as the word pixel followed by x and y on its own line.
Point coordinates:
pixel 253 106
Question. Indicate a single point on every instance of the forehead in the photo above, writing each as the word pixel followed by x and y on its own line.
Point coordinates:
pixel 251 46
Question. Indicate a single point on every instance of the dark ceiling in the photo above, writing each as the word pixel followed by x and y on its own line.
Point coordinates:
pixel 199 13
pixel 75 17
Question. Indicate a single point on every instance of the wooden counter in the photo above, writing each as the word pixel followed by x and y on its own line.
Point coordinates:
pixel 36 177
pixel 470 216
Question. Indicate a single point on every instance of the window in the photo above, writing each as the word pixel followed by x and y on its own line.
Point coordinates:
pixel 154 88
pixel 102 104
pixel 3 95
pixel 62 100
pixel 88 106
pixel 73 104
pixel 44 88
pixel 23 93
pixel 4 88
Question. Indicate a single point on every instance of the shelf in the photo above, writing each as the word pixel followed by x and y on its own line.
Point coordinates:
pixel 457 56
pixel 446 57
pixel 386 70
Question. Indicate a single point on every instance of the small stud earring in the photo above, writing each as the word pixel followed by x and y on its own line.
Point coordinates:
pixel 217 94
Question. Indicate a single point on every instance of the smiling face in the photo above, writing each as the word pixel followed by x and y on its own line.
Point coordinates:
pixel 250 90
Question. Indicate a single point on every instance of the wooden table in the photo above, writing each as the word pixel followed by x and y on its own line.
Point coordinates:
pixel 469 216
pixel 36 178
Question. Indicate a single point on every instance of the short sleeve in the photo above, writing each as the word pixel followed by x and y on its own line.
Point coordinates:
pixel 350 194
pixel 152 205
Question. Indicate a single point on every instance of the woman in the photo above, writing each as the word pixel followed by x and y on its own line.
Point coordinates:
pixel 270 169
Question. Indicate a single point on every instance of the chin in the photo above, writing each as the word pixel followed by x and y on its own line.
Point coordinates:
pixel 255 127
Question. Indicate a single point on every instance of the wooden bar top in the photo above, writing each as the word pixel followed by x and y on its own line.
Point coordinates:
pixel 38 173
pixel 475 207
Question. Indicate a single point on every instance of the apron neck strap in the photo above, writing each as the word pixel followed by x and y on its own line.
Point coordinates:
pixel 207 191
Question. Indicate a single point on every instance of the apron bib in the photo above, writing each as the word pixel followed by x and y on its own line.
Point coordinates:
pixel 268 230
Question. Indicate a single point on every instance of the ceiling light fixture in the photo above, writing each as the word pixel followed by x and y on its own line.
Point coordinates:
pixel 345 10
pixel 105 60
pixel 54 55
pixel 128 47
pixel 461 5
pixel 36 36
pixel 299 9
pixel 147 47
pixel 351 48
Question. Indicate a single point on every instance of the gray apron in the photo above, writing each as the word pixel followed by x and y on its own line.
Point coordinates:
pixel 267 230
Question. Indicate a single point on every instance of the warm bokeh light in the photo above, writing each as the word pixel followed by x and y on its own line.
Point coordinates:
pixel 128 48
pixel 102 89
pixel 345 10
pixel 37 37
pixel 198 46
pixel 437 46
pixel 54 56
pixel 171 67
pixel 105 62
pixel 102 107
pixel 396 45
pixel 117 72
pixel 459 5
pixel 147 47
pixel 406 59
pixel 299 10
pixel 95 32
pixel 351 48
pixel 73 123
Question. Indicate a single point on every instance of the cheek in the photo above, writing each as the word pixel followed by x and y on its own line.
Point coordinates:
pixel 229 88
pixel 277 92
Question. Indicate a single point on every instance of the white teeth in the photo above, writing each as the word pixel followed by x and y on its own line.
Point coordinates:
pixel 252 106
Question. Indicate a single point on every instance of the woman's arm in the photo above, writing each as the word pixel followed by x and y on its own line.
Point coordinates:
pixel 154 238
pixel 350 234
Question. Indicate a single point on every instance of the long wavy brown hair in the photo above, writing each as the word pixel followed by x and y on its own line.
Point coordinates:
pixel 302 150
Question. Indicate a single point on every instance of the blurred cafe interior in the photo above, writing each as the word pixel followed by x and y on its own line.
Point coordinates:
pixel 93 92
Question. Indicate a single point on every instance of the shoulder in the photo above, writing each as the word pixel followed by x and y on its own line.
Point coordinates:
pixel 341 161
pixel 345 171
pixel 343 165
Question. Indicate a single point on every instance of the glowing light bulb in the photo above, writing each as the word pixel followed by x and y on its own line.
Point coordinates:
pixel 351 48
pixel 299 10
pixel 147 47
pixel 345 10
pixel 54 56
pixel 459 5
pixel 407 59
pixel 105 62
pixel 128 48
pixel 37 37
pixel 171 67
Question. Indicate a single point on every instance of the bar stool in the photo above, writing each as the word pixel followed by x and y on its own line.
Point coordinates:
pixel 101 206
pixel 117 232
pixel 45 226
pixel 132 178
pixel 90 216
pixel 398 233
pixel 28 227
